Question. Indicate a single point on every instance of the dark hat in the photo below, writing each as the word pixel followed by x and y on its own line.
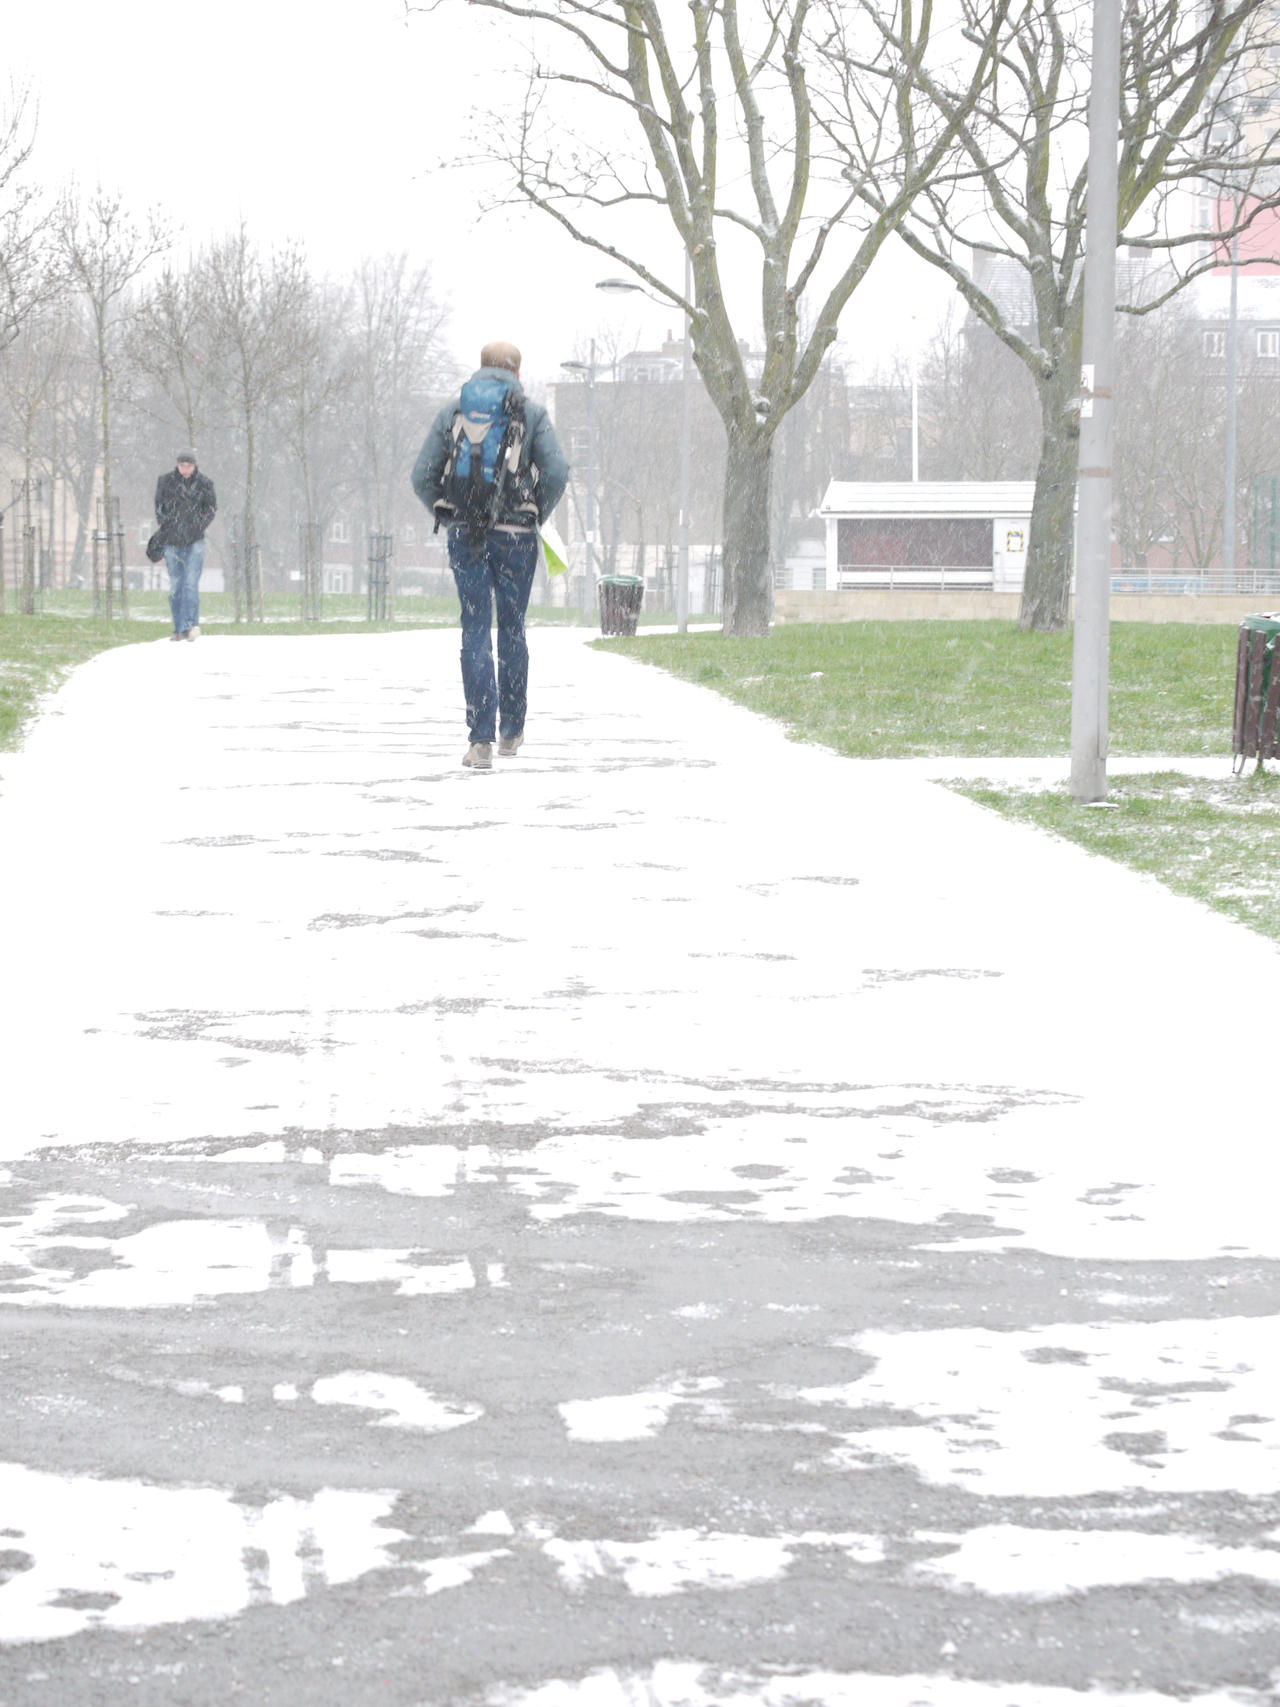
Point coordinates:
pixel 185 456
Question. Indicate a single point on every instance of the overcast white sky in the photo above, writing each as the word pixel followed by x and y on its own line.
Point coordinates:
pixel 327 120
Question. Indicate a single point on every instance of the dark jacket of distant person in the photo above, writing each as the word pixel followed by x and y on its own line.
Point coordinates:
pixel 541 456
pixel 184 508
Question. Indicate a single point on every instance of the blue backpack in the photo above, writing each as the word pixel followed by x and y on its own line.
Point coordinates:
pixel 485 447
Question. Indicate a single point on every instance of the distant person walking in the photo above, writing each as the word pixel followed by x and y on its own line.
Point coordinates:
pixel 185 505
pixel 492 470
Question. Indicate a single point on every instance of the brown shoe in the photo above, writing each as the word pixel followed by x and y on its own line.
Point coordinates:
pixel 479 756
pixel 509 744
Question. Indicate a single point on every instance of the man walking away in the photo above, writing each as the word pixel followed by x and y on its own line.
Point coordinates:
pixel 491 470
pixel 185 505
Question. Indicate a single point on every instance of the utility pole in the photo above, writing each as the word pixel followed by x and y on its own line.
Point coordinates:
pixel 686 445
pixel 1091 643
pixel 1229 471
pixel 589 590
pixel 915 399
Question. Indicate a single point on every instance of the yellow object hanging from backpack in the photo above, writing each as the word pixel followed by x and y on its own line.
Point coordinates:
pixel 553 550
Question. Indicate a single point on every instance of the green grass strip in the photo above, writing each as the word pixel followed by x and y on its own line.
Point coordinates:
pixel 37 652
pixel 978 689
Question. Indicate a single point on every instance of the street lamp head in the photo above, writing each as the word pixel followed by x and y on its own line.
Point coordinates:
pixel 618 287
pixel 576 367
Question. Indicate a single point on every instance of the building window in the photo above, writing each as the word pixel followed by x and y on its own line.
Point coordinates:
pixel 1269 344
pixel 1215 343
pixel 339 532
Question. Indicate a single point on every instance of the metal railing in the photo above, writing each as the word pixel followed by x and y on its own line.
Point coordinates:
pixel 1197 581
pixel 912 576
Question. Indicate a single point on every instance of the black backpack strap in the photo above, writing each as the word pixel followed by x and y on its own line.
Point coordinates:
pixel 450 462
pixel 509 453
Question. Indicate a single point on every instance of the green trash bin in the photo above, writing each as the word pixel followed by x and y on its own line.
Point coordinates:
pixel 1257 704
pixel 620 599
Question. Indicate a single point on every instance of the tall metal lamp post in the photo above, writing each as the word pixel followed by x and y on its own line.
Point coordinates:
pixel 618 287
pixel 589 369
pixel 1229 471
pixel 1091 641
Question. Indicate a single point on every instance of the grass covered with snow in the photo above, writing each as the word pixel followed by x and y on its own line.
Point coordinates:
pixel 908 689
pixel 37 652
pixel 1215 840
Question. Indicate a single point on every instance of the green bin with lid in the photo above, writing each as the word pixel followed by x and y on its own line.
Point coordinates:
pixel 1257 703
pixel 620 599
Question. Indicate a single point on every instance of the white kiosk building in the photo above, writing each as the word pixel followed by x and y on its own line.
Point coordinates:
pixel 927 534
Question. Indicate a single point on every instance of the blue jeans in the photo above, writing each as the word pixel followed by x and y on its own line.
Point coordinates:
pixel 184 563
pixel 500 569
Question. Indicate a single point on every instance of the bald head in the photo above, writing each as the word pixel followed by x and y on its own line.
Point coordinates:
pixel 500 355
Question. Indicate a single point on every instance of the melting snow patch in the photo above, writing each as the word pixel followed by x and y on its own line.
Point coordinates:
pixel 1075 1408
pixel 680 1560
pixel 272 1151
pixel 492 1523
pixel 414 1170
pixel 683 1559
pixel 1041 1564
pixel 125 1554
pixel 177 1262
pixel 438 1574
pixel 407 1405
pixel 676 1683
pixel 414 1278
pixel 629 1416
pixel 174 1262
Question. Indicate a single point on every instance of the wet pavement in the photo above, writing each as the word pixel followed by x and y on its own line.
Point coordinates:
pixel 680 1219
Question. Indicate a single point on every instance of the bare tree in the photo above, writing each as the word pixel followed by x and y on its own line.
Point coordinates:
pixel 104 251
pixel 169 341
pixel 28 271
pixel 398 359
pixel 250 298
pixel 978 407
pixel 714 124
pixel 30 373
pixel 1162 400
pixel 1013 242
pixel 314 395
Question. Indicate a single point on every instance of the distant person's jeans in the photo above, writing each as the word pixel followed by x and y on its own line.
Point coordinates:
pixel 498 571
pixel 184 563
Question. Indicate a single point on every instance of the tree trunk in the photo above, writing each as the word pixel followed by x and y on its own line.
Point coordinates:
pixel 310 568
pixel 1046 592
pixel 251 580
pixel 27 601
pixel 748 586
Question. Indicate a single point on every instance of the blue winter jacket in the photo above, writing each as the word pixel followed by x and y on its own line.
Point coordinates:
pixel 542 456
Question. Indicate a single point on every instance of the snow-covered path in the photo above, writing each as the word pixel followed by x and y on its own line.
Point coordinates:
pixel 682 1218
